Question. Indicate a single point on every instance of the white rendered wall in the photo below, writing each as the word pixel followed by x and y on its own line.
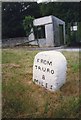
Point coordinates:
pixel 49 35
pixel 56 22
pixel 42 21
pixel 31 36
pixel 51 31
pixel 47 21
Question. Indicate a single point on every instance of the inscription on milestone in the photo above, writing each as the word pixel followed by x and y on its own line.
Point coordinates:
pixel 48 70
pixel 44 69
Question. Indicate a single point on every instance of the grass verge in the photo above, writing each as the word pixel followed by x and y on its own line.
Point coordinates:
pixel 21 98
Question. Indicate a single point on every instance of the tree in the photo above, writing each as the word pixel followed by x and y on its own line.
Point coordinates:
pixel 28 24
pixel 13 14
pixel 67 11
pixel 11 20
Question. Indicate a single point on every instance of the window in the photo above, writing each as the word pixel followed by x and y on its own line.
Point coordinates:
pixel 74 26
pixel 39 32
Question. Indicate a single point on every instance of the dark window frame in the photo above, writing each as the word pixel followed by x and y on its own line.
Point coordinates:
pixel 39 32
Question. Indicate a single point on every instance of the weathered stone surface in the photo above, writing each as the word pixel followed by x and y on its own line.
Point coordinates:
pixel 49 70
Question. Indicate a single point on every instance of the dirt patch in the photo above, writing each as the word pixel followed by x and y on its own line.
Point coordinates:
pixel 12 65
pixel 27 79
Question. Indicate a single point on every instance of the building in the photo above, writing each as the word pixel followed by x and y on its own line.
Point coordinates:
pixel 48 31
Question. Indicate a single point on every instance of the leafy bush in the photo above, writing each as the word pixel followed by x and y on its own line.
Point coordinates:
pixel 28 24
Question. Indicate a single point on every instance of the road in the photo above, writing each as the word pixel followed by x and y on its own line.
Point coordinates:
pixel 54 48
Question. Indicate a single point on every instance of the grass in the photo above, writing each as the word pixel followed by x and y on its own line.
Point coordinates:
pixel 21 98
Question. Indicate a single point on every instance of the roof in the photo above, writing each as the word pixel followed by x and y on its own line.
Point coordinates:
pixel 45 20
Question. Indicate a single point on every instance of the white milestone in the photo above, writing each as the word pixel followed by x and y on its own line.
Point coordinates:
pixel 49 70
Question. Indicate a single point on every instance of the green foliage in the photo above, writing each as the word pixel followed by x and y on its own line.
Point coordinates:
pixel 73 37
pixel 68 38
pixel 68 12
pixel 28 24
pixel 75 67
pixel 71 109
pixel 79 32
pixel 9 57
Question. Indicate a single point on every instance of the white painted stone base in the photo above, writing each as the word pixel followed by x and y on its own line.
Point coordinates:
pixel 49 70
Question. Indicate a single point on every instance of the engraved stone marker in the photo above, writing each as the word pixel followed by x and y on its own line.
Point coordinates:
pixel 49 69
